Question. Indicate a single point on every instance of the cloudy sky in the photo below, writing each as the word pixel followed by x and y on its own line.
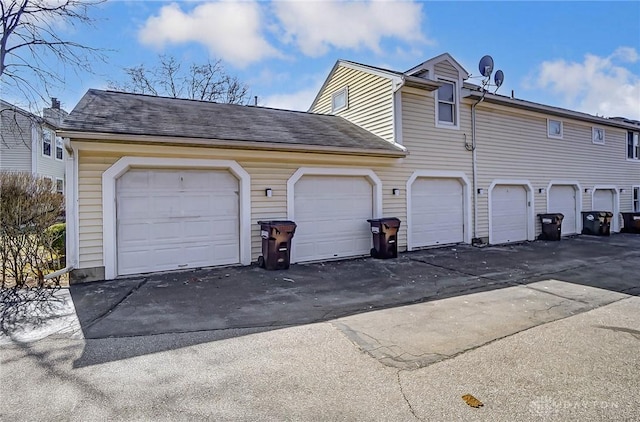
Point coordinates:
pixel 580 55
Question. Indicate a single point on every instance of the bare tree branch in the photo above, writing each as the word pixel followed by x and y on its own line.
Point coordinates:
pixel 205 82
pixel 30 35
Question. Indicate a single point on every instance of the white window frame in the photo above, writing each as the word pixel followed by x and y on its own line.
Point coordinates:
pixel 59 146
pixel 456 106
pixel 47 137
pixel 555 135
pixel 597 135
pixel 635 198
pixel 59 190
pixel 636 146
pixel 344 91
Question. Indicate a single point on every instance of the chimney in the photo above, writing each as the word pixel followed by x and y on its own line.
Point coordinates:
pixel 54 114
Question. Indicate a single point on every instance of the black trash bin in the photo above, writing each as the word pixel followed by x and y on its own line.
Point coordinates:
pixel 596 223
pixel 631 222
pixel 385 236
pixel 551 226
pixel 276 244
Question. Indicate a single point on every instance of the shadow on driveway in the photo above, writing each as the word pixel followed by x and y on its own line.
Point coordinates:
pixel 184 308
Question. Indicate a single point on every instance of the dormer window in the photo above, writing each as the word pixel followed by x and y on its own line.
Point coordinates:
pixel 340 100
pixel 446 108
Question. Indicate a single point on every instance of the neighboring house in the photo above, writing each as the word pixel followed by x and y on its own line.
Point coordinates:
pixel 482 166
pixel 28 142
pixel 159 184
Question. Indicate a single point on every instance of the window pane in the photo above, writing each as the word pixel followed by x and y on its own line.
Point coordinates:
pixel 59 153
pixel 555 128
pixel 445 93
pixel 445 112
pixel 339 101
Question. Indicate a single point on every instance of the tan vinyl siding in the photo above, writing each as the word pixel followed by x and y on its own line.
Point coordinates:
pixel 446 70
pixel 267 170
pixel 514 145
pixel 370 100
pixel 430 147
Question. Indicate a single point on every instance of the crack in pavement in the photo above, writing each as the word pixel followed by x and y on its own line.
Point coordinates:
pixel 106 313
pixel 404 396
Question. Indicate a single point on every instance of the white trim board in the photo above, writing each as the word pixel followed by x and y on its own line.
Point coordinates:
pixel 435 174
pixel 71 205
pixel 531 227
pixel 110 176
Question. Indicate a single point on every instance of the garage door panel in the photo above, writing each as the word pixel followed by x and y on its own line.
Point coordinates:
pixel 509 214
pixel 603 200
pixel 170 219
pixel 562 199
pixel 437 211
pixel 331 213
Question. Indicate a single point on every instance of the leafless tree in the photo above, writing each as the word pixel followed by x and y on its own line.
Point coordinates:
pixel 206 82
pixel 28 246
pixel 30 36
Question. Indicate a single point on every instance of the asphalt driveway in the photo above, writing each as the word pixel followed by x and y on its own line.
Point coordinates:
pixel 537 331
pixel 257 299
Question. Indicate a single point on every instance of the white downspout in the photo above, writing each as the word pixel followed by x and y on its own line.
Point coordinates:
pixel 71 205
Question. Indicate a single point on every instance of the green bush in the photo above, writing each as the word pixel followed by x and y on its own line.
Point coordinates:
pixel 57 233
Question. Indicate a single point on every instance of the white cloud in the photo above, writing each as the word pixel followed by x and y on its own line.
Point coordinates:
pixel 230 30
pixel 601 85
pixel 317 26
pixel 299 101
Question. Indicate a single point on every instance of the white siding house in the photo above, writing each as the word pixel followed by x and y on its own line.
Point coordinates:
pixel 28 143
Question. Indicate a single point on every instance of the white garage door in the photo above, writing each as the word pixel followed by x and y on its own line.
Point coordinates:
pixel 437 212
pixel 562 199
pixel 603 200
pixel 331 213
pixel 174 219
pixel 509 214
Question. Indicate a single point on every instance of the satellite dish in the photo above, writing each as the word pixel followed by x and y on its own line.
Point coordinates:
pixel 499 78
pixel 486 66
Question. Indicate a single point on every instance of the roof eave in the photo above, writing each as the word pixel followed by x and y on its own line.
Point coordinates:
pixel 554 111
pixel 421 83
pixel 232 144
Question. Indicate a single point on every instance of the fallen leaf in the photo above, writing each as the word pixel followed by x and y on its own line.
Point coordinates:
pixel 472 401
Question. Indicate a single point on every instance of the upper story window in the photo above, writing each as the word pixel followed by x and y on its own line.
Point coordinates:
pixel 59 150
pixel 633 149
pixel 446 112
pixel 340 100
pixel 554 128
pixel 59 185
pixel 47 139
pixel 597 135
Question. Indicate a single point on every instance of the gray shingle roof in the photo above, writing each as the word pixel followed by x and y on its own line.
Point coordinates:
pixel 134 114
